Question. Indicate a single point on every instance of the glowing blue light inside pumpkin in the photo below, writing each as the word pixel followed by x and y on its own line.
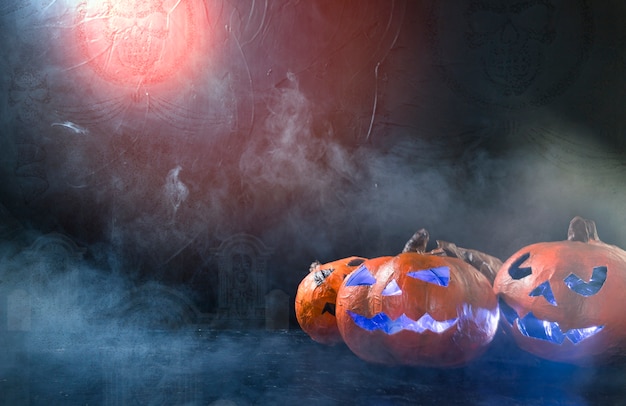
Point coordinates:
pixel 532 327
pixel 546 291
pixel 387 325
pixel 361 277
pixel 392 289
pixel 438 276
pixel 507 311
pixel 598 277
pixel 579 334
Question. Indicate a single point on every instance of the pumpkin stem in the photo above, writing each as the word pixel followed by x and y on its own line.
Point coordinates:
pixel 315 265
pixel 486 264
pixel 418 242
pixel 583 230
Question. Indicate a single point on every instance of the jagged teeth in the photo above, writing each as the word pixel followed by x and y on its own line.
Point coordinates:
pixel 384 323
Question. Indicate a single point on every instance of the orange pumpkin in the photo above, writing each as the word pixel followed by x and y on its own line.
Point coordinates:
pixel 417 309
pixel 317 293
pixel 561 300
pixel 316 296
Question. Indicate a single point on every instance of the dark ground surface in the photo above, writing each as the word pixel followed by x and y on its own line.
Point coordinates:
pixel 282 368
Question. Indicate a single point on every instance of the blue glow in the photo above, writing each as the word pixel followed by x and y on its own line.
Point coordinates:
pixel 385 324
pixel 438 276
pixel 518 273
pixel 598 277
pixel 532 327
pixel 361 277
pixel 546 291
pixel 392 289
pixel 580 334
pixel 507 311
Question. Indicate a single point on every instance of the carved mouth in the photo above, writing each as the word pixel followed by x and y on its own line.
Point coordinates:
pixel 531 326
pixel 390 326
pixel 329 308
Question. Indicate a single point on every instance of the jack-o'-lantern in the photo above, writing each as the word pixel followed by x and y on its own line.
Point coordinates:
pixel 417 309
pixel 316 296
pixel 561 300
pixel 317 293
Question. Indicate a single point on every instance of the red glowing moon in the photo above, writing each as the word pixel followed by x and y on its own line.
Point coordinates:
pixel 138 42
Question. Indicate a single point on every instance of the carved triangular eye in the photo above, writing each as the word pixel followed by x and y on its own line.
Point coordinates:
pixel 438 276
pixel 329 308
pixel 361 277
pixel 598 277
pixel 518 273
pixel 356 261
pixel 392 289
pixel 544 290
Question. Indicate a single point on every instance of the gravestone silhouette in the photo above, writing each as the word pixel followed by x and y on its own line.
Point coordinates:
pixel 242 274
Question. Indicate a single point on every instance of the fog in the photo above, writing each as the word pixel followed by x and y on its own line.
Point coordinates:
pixel 137 142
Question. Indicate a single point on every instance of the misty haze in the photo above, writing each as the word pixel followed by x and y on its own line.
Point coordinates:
pixel 169 171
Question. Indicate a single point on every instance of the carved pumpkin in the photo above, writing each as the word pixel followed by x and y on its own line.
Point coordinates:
pixel 562 300
pixel 316 296
pixel 417 309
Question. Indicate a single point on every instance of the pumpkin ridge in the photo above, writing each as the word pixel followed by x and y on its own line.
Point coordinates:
pixel 568 309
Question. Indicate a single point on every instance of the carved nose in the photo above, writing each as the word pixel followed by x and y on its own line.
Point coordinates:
pixel 509 34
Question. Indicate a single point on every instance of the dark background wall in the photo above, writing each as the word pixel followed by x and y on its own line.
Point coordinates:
pixel 148 133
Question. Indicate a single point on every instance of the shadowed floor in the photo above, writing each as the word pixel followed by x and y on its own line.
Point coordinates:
pixel 264 368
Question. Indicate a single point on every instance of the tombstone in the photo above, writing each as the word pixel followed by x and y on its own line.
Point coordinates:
pixel 18 311
pixel 51 276
pixel 242 275
pixel 277 310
